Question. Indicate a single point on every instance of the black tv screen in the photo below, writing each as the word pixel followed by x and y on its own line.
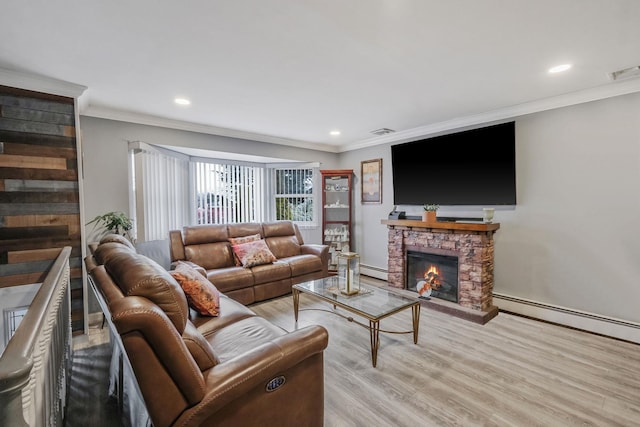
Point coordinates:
pixel 474 167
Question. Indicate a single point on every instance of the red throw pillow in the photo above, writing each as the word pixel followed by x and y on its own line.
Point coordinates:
pixel 239 240
pixel 253 253
pixel 201 293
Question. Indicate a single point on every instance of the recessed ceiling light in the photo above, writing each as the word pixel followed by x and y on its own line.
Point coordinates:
pixel 559 68
pixel 334 133
pixel 182 101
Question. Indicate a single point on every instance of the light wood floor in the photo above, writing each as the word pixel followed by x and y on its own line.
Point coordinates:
pixel 513 371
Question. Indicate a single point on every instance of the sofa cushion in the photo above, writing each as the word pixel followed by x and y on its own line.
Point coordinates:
pixel 117 238
pixel 242 336
pixel 201 293
pixel 230 311
pixel 105 250
pixel 253 253
pixel 210 255
pixel 199 234
pixel 244 229
pixel 278 228
pixel 137 275
pixel 271 272
pixel 231 278
pixel 303 264
pixel 283 246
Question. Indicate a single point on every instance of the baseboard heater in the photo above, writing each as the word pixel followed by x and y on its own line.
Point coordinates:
pixel 590 322
pixel 568 311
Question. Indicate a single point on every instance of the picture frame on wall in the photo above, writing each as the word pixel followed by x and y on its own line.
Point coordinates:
pixel 371 181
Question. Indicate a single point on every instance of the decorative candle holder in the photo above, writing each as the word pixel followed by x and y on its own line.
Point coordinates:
pixel 349 273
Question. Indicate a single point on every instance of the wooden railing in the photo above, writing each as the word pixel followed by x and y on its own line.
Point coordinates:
pixel 35 366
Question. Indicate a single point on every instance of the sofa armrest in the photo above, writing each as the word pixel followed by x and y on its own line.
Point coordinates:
pixel 319 250
pixel 244 378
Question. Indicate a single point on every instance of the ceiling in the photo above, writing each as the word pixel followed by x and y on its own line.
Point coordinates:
pixel 291 71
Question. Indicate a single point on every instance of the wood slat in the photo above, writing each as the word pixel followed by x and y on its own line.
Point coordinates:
pixel 38 208
pixel 37 115
pixel 39 220
pixel 39 197
pixel 37 150
pixel 22 279
pixel 16 161
pixel 39 185
pixel 29 278
pixel 38 174
pixel 28 232
pixel 36 127
pixel 23 93
pixel 38 139
pixel 40 243
pixel 14 257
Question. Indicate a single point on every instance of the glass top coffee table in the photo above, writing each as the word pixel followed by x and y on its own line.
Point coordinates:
pixel 372 303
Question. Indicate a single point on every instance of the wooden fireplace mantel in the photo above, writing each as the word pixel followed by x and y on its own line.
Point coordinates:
pixel 462 226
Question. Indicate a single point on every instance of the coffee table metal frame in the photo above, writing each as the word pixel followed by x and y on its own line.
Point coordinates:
pixel 325 290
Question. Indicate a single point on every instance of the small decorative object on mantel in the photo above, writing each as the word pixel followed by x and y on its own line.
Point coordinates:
pixel 487 215
pixel 429 214
pixel 349 273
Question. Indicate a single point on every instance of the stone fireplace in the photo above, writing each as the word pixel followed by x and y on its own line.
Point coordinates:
pixel 470 244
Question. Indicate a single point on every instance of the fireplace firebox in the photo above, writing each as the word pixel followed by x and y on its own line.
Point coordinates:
pixel 432 275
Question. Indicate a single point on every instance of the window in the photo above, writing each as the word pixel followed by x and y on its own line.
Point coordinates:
pixel 228 193
pixel 171 190
pixel 294 195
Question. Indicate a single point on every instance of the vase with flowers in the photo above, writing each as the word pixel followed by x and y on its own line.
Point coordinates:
pixel 429 212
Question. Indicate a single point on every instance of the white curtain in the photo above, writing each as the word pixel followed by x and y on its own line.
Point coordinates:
pixel 161 191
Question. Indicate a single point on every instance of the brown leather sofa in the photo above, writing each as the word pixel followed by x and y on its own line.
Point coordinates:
pixel 208 247
pixel 236 369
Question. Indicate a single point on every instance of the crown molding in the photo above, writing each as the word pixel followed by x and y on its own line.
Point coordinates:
pixel 503 114
pixel 38 83
pixel 146 119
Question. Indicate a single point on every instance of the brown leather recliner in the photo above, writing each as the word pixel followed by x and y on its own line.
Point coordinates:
pixel 237 369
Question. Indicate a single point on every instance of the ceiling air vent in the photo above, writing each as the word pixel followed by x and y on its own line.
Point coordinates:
pixel 382 131
pixel 626 73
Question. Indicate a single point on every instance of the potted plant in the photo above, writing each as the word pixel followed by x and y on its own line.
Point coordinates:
pixel 114 222
pixel 429 214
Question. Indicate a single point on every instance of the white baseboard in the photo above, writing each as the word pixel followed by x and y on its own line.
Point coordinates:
pixel 616 328
pixel 377 272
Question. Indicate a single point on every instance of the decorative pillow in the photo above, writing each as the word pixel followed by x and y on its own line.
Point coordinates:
pixel 253 253
pixel 201 293
pixel 243 239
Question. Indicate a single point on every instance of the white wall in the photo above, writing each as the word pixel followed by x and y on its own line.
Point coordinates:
pixel 573 240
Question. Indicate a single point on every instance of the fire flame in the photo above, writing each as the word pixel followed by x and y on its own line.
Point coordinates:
pixel 432 277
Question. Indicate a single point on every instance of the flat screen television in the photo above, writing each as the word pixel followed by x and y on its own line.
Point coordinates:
pixel 470 168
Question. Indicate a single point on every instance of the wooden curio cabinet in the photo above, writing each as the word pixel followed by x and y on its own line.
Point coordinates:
pixel 336 213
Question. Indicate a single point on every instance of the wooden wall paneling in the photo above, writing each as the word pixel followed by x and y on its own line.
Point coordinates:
pixel 14 257
pixel 39 190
